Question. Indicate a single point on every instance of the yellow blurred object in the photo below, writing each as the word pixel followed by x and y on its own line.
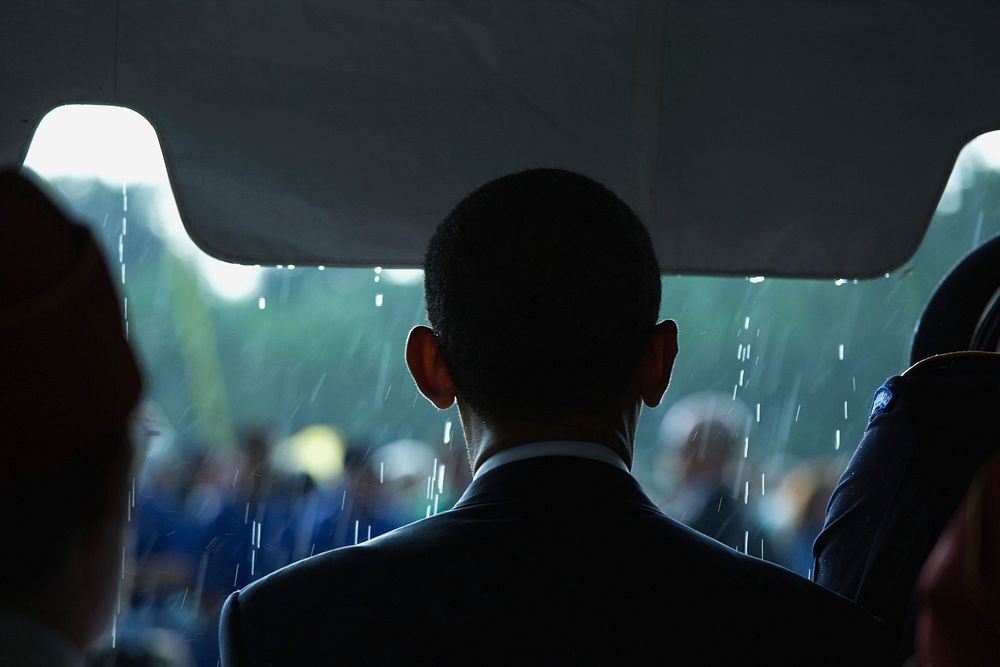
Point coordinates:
pixel 317 450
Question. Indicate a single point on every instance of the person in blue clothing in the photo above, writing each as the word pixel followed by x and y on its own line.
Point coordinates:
pixel 362 506
pixel 173 515
pixel 253 532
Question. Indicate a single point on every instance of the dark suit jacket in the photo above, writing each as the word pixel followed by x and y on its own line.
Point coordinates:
pixel 542 561
pixel 929 431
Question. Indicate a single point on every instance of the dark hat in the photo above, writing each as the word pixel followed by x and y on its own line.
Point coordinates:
pixel 68 379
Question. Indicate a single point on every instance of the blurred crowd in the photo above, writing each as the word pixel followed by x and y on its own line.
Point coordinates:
pixel 705 478
pixel 208 521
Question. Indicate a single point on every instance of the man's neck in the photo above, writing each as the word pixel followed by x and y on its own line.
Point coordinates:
pixel 485 437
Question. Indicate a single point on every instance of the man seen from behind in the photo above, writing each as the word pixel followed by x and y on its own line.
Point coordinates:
pixel 543 292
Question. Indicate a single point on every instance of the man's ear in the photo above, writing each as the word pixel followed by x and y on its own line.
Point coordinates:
pixel 657 363
pixel 426 364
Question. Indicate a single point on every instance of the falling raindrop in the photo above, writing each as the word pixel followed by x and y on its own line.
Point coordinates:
pixel 319 385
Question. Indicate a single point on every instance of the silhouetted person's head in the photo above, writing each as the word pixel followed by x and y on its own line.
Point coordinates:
pixel 700 437
pixel 256 443
pixel 69 384
pixel 543 291
pixel 707 451
pixel 255 447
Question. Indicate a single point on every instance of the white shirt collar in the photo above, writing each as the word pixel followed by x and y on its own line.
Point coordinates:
pixel 581 450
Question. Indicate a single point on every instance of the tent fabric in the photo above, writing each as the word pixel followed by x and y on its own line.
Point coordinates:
pixel 799 138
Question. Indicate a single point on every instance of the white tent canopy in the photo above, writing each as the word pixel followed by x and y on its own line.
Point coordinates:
pixel 800 138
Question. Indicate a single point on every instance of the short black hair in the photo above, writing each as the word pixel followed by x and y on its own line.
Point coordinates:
pixel 543 289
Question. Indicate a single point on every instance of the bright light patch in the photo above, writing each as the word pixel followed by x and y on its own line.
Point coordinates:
pixel 119 147
pixel 403 276
pixel 112 144
pixel 983 152
pixel 986 149
pixel 317 450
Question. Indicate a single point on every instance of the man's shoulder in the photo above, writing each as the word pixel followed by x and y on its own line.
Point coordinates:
pixel 345 562
pixel 440 569
pixel 813 616
pixel 658 547
pixel 771 595
pixel 286 617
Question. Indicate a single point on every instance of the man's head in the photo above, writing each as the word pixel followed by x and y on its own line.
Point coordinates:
pixel 69 382
pixel 543 291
